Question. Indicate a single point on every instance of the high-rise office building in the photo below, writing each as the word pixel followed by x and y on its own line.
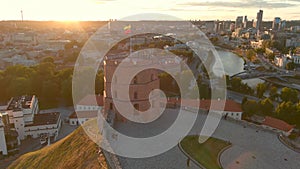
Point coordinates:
pixel 245 21
pixel 276 23
pixel 282 25
pixel 239 22
pixel 259 19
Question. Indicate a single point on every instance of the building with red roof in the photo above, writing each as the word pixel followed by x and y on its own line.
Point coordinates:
pixel 228 108
pixel 278 125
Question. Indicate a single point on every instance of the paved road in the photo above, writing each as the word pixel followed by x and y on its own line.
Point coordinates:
pixel 252 148
pixel 238 97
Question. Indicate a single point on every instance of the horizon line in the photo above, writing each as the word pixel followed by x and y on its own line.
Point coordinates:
pixel 125 20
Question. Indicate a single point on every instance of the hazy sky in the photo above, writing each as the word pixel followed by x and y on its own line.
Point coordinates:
pixel 117 9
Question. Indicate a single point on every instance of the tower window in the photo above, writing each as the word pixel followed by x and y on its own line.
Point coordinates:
pixel 135 95
pixel 135 80
pixel 136 106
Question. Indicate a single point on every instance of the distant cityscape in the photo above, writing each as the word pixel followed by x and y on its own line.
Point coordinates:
pixel 261 61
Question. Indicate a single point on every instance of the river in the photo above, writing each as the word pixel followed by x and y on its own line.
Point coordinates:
pixel 234 64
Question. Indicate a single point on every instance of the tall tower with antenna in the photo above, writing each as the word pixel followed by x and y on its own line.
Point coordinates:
pixel 22 15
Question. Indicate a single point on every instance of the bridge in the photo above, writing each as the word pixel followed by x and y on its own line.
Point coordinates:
pixel 292 86
pixel 266 76
pixel 258 74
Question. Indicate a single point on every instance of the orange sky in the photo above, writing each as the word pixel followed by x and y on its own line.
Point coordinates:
pixel 117 9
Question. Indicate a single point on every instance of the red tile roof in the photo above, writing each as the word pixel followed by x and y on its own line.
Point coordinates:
pixel 91 100
pixel 83 114
pixel 217 105
pixel 278 124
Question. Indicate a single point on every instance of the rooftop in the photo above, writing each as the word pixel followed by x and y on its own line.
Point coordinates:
pixel 83 114
pixel 217 105
pixel 20 102
pixel 91 100
pixel 277 123
pixel 45 119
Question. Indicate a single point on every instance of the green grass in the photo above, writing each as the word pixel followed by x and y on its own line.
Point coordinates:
pixel 207 153
pixel 74 151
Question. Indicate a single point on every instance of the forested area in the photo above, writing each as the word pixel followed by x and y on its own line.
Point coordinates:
pixel 51 85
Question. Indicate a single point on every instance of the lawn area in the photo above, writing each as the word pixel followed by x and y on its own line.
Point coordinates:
pixel 207 153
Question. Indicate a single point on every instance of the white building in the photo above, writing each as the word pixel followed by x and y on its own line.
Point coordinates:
pixel 78 118
pixel 228 108
pixel 21 111
pixel 44 124
pixel 23 116
pixel 231 108
pixel 295 42
pixel 86 109
pixel 9 141
pixel 281 61
pixel 256 44
pixel 21 120
pixel 3 147
pixel 296 59
pixel 90 103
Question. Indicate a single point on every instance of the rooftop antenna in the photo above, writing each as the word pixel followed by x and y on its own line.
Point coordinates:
pixel 22 15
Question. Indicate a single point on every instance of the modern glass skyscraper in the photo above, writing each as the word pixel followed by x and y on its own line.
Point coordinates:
pixel 259 18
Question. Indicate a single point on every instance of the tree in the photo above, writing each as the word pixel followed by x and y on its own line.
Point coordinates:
pixel 290 66
pixel 50 93
pixel 19 86
pixel 236 83
pixel 285 109
pixel 266 106
pixel 66 90
pixel 266 44
pixel 43 80
pixel 245 99
pixel 44 72
pixel 65 73
pixel 205 91
pixel 48 59
pixel 250 107
pixel 260 50
pixel 297 115
pixel 288 94
pixel 271 56
pixel 251 55
pixel 239 86
pixel 273 93
pixel 260 90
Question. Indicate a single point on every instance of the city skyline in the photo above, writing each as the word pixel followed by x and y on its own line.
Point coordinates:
pixel 184 9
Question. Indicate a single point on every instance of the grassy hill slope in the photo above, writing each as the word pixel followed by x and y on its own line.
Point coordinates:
pixel 74 151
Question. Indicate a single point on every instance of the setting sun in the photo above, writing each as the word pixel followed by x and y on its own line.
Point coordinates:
pixel 63 10
pixel 134 84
